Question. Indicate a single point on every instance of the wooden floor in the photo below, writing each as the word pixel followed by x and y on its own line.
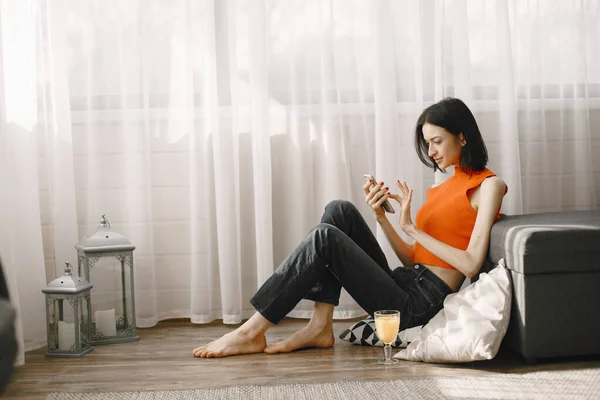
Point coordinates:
pixel 162 360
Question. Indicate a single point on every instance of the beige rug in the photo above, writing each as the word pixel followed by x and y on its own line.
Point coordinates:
pixel 580 384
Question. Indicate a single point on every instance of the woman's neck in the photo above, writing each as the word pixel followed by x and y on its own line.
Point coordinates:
pixel 458 171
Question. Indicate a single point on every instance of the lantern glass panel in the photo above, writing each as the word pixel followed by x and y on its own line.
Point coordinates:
pixel 112 298
pixel 62 330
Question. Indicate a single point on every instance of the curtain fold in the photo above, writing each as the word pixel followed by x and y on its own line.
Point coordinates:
pixel 213 133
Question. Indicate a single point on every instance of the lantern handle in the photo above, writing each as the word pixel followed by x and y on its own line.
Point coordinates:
pixel 104 222
pixel 68 268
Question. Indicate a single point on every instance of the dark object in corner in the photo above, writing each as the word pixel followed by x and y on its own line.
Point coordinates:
pixel 8 340
pixel 3 284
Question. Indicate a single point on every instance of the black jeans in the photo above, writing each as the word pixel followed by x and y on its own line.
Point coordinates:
pixel 343 252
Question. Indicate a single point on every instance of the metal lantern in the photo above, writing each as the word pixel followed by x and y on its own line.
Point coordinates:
pixel 68 316
pixel 106 260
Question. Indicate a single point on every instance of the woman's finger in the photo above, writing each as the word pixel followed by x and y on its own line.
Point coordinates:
pixel 368 191
pixel 396 197
pixel 375 189
pixel 401 187
pixel 377 196
pixel 367 187
pixel 381 199
pixel 406 189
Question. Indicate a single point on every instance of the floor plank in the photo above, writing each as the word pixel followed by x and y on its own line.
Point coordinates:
pixel 162 360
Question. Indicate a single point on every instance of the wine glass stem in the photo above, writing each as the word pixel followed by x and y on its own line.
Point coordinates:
pixel 387 349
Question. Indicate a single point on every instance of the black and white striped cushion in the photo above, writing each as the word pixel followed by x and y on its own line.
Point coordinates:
pixel 363 333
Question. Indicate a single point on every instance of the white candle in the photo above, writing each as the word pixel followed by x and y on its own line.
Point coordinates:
pixel 106 323
pixel 66 335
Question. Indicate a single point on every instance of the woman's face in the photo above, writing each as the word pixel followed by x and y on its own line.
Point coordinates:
pixel 444 147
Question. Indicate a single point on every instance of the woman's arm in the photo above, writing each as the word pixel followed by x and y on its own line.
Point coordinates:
pixel 374 197
pixel 403 250
pixel 467 261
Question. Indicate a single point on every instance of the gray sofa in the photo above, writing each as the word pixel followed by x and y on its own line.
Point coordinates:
pixel 554 261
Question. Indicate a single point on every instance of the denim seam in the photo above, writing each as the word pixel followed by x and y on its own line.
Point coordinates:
pixel 423 292
pixel 433 286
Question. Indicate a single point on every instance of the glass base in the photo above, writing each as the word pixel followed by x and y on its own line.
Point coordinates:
pixel 391 361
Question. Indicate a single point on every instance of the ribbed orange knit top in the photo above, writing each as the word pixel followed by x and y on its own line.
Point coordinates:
pixel 447 214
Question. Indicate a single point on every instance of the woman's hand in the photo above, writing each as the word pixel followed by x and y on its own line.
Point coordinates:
pixel 375 197
pixel 404 199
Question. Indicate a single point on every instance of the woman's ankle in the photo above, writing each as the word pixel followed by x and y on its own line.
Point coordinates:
pixel 255 326
pixel 322 318
pixel 320 325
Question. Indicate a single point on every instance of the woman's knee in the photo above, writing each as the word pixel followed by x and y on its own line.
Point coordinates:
pixel 340 207
pixel 323 231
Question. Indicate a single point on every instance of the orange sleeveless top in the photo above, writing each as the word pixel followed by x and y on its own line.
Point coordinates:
pixel 447 214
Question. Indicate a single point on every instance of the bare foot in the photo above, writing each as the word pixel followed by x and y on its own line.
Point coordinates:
pixel 231 344
pixel 305 337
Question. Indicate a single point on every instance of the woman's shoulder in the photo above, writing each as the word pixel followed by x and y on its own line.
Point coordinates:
pixel 489 176
pixel 489 184
pixel 494 185
pixel 483 174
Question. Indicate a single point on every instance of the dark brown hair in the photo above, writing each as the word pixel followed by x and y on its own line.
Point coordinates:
pixel 454 116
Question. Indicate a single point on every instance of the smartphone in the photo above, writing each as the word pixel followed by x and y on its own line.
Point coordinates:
pixel 387 206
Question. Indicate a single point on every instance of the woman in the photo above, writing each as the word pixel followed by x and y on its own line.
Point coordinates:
pixel 451 238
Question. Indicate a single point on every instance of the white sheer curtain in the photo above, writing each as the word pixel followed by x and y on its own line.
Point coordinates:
pixel 213 133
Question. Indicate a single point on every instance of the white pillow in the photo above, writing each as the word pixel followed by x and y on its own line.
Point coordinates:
pixel 471 325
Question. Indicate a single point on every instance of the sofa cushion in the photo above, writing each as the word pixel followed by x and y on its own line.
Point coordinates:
pixel 544 243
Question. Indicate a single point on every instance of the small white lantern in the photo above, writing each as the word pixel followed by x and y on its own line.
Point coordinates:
pixel 68 325
pixel 106 260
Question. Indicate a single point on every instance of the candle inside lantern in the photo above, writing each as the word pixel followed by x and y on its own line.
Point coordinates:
pixel 106 324
pixel 66 335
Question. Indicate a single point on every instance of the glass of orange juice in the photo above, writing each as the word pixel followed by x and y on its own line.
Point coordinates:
pixel 387 324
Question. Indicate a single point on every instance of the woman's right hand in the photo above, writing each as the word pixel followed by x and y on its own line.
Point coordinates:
pixel 375 197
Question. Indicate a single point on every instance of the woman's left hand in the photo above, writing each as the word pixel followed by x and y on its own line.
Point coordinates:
pixel 404 199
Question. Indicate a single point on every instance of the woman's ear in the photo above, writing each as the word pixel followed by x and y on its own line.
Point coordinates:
pixel 462 139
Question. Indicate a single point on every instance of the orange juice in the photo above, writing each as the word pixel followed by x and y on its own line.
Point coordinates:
pixel 387 327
